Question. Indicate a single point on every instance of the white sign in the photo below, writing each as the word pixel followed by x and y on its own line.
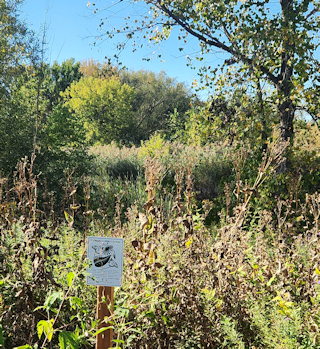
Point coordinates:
pixel 106 256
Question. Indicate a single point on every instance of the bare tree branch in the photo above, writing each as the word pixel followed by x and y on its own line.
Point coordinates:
pixel 315 10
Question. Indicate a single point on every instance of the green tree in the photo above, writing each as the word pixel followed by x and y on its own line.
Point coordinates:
pixel 156 97
pixel 275 42
pixel 16 135
pixel 62 76
pixel 92 67
pixel 58 131
pixel 236 118
pixel 18 50
pixel 32 118
pixel 104 106
pixel 17 46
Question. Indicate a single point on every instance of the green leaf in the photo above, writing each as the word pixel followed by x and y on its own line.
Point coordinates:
pixel 26 346
pixel 50 328
pixel 164 319
pixel 70 277
pixel 52 298
pixel 271 280
pixel 131 338
pixel 1 337
pixel 241 272
pixel 66 215
pixel 76 301
pixel 69 218
pixel 62 341
pixel 41 326
pixel 46 327
pixel 66 338
pixel 150 314
pixel 102 330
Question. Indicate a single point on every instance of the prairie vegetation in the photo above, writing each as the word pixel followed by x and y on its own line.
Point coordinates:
pixel 219 210
pixel 237 270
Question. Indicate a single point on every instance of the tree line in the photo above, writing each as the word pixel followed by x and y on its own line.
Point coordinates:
pixel 57 111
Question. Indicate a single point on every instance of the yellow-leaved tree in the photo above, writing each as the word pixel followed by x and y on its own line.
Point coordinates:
pixel 104 106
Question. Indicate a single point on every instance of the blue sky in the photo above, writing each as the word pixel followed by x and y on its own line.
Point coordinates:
pixel 71 28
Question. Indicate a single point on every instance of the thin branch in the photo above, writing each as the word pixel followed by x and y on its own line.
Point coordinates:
pixel 215 42
pixel 225 30
pixel 315 10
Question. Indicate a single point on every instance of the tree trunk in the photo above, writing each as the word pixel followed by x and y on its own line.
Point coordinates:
pixel 286 107
pixel 286 111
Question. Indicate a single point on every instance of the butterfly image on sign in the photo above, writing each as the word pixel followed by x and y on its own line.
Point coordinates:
pixel 106 256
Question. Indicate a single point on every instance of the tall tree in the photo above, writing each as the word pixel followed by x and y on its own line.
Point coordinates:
pixel 104 106
pixel 17 45
pixel 18 51
pixel 62 76
pixel 156 97
pixel 57 130
pixel 273 40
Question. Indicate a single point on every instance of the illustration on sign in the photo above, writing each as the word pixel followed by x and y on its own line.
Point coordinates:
pixel 106 256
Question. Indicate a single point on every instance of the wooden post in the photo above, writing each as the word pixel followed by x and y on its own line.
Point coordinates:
pixel 104 339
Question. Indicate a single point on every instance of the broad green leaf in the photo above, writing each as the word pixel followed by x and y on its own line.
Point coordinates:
pixel 76 301
pixel 62 341
pixel 46 327
pixel 118 341
pixel 50 330
pixel 41 327
pixel 277 298
pixel 70 277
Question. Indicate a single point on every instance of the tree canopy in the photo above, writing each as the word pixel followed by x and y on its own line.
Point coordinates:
pixel 125 106
pixel 156 97
pixel 104 105
pixel 61 76
pixel 94 68
pixel 17 45
pixel 18 51
pixel 267 41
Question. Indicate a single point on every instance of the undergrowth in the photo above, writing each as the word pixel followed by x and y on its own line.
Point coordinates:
pixel 247 278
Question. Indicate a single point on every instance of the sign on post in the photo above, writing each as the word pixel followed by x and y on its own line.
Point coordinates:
pixel 106 256
pixel 105 271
